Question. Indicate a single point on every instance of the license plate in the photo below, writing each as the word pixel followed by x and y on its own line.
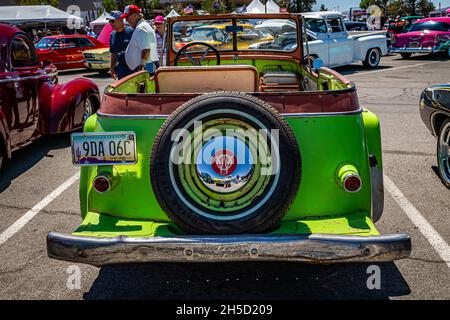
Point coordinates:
pixel 414 44
pixel 93 149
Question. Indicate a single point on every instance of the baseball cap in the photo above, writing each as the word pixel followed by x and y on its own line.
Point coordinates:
pixel 132 8
pixel 113 15
pixel 159 19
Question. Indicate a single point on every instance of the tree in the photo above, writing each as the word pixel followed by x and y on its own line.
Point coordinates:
pixel 300 5
pixel 109 5
pixel 54 3
pixel 410 7
pixel 323 8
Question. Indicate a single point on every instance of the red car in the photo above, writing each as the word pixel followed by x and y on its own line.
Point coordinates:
pixel 429 35
pixel 32 102
pixel 66 51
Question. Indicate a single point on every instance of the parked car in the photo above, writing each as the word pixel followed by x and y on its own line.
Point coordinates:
pixel 429 35
pixel 230 155
pixel 435 113
pixel 356 26
pixel 332 43
pixel 32 102
pixel 329 40
pixel 218 36
pixel 66 51
pixel 99 59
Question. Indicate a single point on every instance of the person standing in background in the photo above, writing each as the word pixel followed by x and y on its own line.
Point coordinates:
pixel 141 53
pixel 118 43
pixel 159 31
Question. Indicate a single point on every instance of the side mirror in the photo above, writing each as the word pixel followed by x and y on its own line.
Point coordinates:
pixel 330 30
pixel 317 64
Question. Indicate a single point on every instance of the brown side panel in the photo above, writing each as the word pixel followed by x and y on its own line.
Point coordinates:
pixel 165 104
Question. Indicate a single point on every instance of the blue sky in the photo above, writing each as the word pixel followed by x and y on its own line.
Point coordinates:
pixel 346 4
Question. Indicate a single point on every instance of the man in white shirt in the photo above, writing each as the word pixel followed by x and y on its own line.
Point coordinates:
pixel 142 50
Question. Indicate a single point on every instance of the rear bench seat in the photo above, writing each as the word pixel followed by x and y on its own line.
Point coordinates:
pixel 243 78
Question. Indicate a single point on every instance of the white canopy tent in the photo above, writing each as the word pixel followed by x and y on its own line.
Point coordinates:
pixel 101 20
pixel 19 15
pixel 256 7
pixel 272 7
pixel 172 13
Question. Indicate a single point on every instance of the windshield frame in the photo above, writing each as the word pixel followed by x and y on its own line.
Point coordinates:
pixel 234 52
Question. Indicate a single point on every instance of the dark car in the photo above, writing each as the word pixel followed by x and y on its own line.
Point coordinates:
pixel 435 113
pixel 32 102
pixel 356 26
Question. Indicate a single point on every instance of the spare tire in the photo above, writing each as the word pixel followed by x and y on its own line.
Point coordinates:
pixel 215 168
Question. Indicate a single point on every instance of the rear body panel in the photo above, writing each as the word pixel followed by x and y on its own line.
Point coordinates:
pixel 324 224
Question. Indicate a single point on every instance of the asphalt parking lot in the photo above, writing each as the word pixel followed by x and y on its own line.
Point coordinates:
pixel 415 201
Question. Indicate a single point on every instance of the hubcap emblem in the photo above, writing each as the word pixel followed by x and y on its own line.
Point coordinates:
pixel 224 162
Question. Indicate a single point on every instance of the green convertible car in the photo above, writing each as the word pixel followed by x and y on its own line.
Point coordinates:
pixel 230 155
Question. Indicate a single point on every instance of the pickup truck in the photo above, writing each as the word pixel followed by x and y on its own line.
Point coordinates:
pixel 329 40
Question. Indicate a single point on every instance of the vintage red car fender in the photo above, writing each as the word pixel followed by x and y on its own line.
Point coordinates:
pixel 4 135
pixel 67 104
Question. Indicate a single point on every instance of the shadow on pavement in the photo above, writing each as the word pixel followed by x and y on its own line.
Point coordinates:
pixel 25 158
pixel 251 280
pixel 357 68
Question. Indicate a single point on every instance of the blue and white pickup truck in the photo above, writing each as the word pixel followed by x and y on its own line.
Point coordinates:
pixel 329 40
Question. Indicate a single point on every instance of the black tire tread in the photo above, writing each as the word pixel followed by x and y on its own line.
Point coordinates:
pixel 274 220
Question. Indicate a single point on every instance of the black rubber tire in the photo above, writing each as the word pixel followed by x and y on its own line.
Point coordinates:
pixel 406 55
pixel 93 105
pixel 2 156
pixel 447 184
pixel 264 218
pixel 368 62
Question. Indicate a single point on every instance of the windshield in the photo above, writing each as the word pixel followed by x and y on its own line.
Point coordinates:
pixel 251 34
pixel 430 25
pixel 45 43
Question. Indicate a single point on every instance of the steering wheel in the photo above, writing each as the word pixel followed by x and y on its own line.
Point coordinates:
pixel 197 62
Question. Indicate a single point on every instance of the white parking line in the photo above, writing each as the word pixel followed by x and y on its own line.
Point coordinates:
pixel 16 226
pixel 433 237
pixel 391 69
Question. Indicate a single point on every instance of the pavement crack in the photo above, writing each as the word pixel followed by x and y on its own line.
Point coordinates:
pixel 50 212
pixel 28 264
pixel 427 260
pixel 58 212
pixel 409 153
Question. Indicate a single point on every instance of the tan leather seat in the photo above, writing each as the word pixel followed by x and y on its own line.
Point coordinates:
pixel 196 79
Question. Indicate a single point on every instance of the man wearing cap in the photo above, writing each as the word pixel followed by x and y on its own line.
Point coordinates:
pixel 141 53
pixel 118 43
pixel 159 31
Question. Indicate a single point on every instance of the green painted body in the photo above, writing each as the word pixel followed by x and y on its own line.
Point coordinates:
pixel 326 142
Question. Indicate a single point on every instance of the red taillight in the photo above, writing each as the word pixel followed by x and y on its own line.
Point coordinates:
pixel 352 183
pixel 101 183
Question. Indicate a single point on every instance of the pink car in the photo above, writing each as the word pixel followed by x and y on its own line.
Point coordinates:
pixel 427 35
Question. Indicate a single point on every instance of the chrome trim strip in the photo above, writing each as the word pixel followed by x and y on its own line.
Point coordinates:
pixel 19 79
pixel 67 62
pixel 314 248
pixel 414 50
pixel 286 115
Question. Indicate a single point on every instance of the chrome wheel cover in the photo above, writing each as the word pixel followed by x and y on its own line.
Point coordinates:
pixel 88 110
pixel 444 153
pixel 224 180
pixel 374 57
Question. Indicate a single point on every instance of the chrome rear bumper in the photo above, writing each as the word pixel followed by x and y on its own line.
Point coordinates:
pixel 414 50
pixel 317 248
